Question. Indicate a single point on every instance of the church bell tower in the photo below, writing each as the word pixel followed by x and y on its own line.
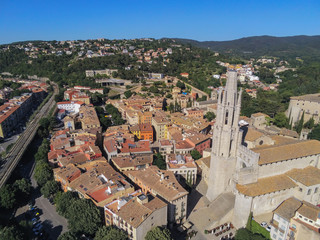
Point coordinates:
pixel 226 139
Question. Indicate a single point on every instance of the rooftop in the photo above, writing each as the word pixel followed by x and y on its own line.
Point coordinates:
pixel 308 176
pixel 309 97
pixel 266 185
pixel 168 187
pixel 287 209
pixel 293 150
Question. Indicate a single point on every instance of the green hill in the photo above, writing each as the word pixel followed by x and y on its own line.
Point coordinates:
pixel 296 46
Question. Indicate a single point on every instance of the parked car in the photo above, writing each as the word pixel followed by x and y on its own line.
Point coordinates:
pixel 264 224
pixel 268 228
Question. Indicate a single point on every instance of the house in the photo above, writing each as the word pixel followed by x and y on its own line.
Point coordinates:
pixel 132 162
pixel 164 185
pixel 136 214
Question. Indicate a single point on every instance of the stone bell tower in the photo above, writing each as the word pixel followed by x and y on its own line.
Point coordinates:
pixel 226 139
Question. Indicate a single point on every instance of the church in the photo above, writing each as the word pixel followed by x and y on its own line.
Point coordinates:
pixel 260 178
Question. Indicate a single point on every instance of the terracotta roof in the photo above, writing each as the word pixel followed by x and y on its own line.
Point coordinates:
pixel 309 97
pixel 287 209
pixel 309 210
pixel 135 213
pixel 274 154
pixel 281 140
pixel 266 185
pixel 288 132
pixel 68 173
pixel 133 160
pixel 308 176
pixel 259 114
pixel 253 134
pixel 168 188
pixel 183 145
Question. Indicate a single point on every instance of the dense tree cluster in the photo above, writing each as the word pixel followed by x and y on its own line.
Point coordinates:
pixel 158 233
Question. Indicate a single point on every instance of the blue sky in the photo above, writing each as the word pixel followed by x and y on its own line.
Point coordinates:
pixel 118 19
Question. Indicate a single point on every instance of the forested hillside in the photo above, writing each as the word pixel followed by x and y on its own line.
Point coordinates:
pixel 288 47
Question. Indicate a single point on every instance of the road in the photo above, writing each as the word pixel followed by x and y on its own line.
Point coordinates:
pixel 10 162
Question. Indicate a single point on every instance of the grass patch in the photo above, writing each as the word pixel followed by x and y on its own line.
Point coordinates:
pixel 256 228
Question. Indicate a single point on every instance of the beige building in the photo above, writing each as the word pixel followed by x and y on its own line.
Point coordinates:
pixel 295 219
pixel 307 104
pixel 164 185
pixel 136 214
pixel 161 126
pixel 259 120
pixel 183 167
pixel 88 117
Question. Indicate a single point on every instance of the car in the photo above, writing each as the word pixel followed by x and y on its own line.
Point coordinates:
pixel 268 228
pixel 37 225
pixel 264 224
pixel 35 222
pixel 34 219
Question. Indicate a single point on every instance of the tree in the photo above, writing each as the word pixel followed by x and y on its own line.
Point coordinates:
pixel 181 85
pixel 315 133
pixel 42 173
pixel 159 161
pixel 245 234
pixel 50 188
pixel 210 116
pixel 63 201
pixel 195 154
pixel 300 124
pixel 68 236
pixel 158 233
pixel 128 93
pixel 7 196
pixel 280 120
pixel 309 124
pixel 10 233
pixel 23 186
pixel 249 221
pixel 83 216
pixel 110 233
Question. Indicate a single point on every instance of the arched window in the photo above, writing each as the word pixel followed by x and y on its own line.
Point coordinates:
pixel 226 119
pixel 309 192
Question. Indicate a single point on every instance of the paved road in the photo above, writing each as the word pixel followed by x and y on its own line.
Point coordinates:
pixel 53 223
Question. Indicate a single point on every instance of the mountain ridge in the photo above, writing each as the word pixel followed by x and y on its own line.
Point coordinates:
pixel 291 46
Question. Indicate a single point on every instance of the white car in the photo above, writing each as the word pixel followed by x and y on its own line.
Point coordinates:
pixel 264 224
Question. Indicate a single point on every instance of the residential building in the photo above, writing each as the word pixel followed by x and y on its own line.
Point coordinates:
pixel 161 125
pixel 100 183
pixel 164 185
pixel 136 214
pixel 88 117
pixel 183 167
pixel 143 131
pixel 132 162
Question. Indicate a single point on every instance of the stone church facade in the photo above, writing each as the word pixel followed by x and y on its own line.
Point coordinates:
pixel 260 178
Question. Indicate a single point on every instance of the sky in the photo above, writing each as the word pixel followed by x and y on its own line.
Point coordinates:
pixel 203 20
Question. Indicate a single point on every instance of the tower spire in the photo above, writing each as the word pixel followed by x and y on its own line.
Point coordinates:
pixel 225 138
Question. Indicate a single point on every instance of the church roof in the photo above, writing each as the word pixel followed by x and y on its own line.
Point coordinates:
pixel 308 176
pixel 253 135
pixel 280 153
pixel 266 185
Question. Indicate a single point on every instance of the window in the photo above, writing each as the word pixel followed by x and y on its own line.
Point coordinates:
pixel 309 192
pixel 274 236
pixel 316 190
pixel 300 189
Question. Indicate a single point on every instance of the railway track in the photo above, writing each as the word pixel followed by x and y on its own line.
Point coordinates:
pixel 14 155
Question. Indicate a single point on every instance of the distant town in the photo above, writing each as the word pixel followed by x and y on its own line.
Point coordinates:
pixel 157 155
